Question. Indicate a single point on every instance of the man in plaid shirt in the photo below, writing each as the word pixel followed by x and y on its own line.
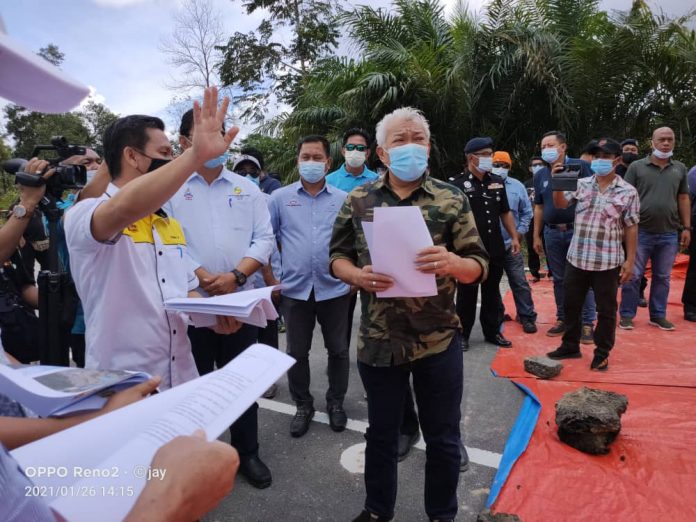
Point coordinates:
pixel 601 253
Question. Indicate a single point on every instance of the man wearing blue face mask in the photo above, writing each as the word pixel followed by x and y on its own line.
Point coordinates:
pixel 602 252
pixel 302 215
pixel 489 204
pixel 533 259
pixel 556 225
pixel 228 228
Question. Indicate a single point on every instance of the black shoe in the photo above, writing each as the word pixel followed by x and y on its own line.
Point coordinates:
pixel 690 316
pixel 599 363
pixel 301 420
pixel 536 277
pixel 529 326
pixel 506 318
pixel 464 463
pixel 499 340
pixel 255 471
pixel 642 302
pixel 464 343
pixel 561 353
pixel 406 442
pixel 366 516
pixel 337 418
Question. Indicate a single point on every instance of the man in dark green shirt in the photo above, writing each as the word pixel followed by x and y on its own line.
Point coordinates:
pixel 403 336
pixel 665 226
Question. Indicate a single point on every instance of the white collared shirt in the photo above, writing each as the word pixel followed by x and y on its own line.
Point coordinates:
pixel 223 222
pixel 123 284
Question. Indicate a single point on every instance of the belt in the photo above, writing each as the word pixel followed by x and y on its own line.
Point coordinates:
pixel 560 226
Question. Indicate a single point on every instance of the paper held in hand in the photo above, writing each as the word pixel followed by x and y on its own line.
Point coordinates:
pixel 253 307
pixel 57 390
pixel 394 240
pixel 116 449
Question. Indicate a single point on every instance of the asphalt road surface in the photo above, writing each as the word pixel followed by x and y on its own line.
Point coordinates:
pixel 319 476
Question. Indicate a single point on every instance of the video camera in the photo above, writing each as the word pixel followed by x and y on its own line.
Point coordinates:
pixel 65 177
pixel 567 179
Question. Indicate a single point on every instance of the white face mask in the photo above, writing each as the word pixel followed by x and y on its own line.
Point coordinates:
pixel 355 158
pixel 500 171
pixel 662 155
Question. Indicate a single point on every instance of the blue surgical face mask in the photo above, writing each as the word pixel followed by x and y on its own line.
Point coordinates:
pixel 216 162
pixel 602 167
pixel 536 168
pixel 662 155
pixel 500 171
pixel 255 180
pixel 485 164
pixel 408 162
pixel 312 171
pixel 549 155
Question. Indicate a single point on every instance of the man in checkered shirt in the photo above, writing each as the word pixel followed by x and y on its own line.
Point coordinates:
pixel 601 253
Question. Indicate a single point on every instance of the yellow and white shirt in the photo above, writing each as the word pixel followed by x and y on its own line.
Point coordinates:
pixel 123 284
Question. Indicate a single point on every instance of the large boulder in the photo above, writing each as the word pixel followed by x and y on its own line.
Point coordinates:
pixel 589 420
pixel 542 367
pixel 487 516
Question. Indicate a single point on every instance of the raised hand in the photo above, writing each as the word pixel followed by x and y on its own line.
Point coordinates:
pixel 209 140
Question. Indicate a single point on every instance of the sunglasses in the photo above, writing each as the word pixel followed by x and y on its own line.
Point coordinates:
pixel 352 147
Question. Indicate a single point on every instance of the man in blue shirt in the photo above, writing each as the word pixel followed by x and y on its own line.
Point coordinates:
pixel 513 264
pixel 557 227
pixel 689 295
pixel 302 215
pixel 353 173
pixel 227 226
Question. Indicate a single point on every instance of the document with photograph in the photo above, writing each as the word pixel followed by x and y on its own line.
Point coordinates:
pixel 104 464
pixel 57 390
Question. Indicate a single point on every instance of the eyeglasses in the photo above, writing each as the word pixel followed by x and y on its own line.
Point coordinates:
pixel 352 147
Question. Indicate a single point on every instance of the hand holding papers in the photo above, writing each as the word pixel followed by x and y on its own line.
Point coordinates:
pixel 394 239
pixel 250 306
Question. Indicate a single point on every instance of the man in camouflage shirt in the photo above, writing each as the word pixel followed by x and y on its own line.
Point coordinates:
pixel 404 336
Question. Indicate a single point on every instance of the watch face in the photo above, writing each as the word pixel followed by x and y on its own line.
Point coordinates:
pixel 19 211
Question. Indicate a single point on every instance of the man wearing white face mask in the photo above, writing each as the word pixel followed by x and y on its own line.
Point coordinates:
pixel 606 227
pixel 354 172
pixel 302 215
pixel 521 209
pixel 665 226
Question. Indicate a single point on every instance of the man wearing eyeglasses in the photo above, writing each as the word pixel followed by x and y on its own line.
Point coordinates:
pixel 489 204
pixel 353 173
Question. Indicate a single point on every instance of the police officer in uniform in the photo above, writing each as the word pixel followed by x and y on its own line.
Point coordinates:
pixel 489 204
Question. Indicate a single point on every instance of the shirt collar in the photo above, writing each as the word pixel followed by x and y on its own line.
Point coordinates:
pixel 112 190
pixel 426 184
pixel 347 174
pixel 225 174
pixel 651 162
pixel 326 188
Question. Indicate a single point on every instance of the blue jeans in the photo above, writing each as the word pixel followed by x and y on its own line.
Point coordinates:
pixel 661 249
pixel 557 244
pixel 522 294
pixel 438 385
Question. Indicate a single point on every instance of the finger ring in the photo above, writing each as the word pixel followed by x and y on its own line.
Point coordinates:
pixel 435 263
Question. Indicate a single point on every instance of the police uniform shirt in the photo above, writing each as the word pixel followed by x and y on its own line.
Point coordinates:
pixel 488 201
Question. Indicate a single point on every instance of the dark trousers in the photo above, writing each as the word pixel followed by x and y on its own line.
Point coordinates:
pixel 212 350
pixel 77 347
pixel 577 283
pixel 533 259
pixel 437 383
pixel 689 294
pixel 351 312
pixel 489 316
pixel 300 317
pixel 269 334
pixel 409 423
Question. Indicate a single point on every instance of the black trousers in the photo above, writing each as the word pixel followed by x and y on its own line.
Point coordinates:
pixel 212 350
pixel 300 318
pixel 577 284
pixel 689 294
pixel 533 259
pixel 489 316
pixel 77 347
pixel 351 312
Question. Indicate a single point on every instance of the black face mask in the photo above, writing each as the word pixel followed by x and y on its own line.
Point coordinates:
pixel 629 157
pixel 157 163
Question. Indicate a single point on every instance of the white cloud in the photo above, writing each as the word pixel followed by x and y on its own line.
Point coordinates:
pixel 118 3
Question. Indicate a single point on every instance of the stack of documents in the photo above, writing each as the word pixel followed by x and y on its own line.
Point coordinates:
pixel 250 306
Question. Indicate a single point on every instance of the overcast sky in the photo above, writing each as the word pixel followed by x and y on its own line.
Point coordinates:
pixel 112 45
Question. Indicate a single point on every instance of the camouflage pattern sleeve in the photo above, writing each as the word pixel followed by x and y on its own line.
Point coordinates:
pixel 343 236
pixel 466 240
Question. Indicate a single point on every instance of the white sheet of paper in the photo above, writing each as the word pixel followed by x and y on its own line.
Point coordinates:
pixel 398 234
pixel 128 438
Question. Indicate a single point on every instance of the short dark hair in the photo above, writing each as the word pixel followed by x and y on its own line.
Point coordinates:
pixel 535 158
pixel 355 131
pixel 129 131
pixel 255 153
pixel 560 136
pixel 629 141
pixel 187 124
pixel 315 138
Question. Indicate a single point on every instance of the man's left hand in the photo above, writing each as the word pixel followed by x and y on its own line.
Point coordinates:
pixel 435 260
pixel 626 272
pixel 226 325
pixel 220 284
pixel 515 246
pixel 685 238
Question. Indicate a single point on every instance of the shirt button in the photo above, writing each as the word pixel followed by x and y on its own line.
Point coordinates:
pixel 173 358
pixel 174 332
pixel 160 252
pixel 489 230
pixel 163 280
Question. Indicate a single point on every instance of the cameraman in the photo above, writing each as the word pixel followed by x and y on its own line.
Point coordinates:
pixel 18 292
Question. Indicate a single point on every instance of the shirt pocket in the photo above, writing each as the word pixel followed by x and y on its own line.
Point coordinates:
pixel 613 208
pixel 582 205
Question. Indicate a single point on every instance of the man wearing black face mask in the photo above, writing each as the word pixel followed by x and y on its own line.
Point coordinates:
pixel 128 257
pixel 629 154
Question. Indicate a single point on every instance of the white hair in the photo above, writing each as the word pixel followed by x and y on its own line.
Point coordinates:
pixel 402 113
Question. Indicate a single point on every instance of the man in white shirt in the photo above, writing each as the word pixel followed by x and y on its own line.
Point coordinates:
pixel 228 227
pixel 128 257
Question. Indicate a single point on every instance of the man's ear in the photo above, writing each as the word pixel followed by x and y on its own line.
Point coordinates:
pixel 383 156
pixel 128 155
pixel 328 164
